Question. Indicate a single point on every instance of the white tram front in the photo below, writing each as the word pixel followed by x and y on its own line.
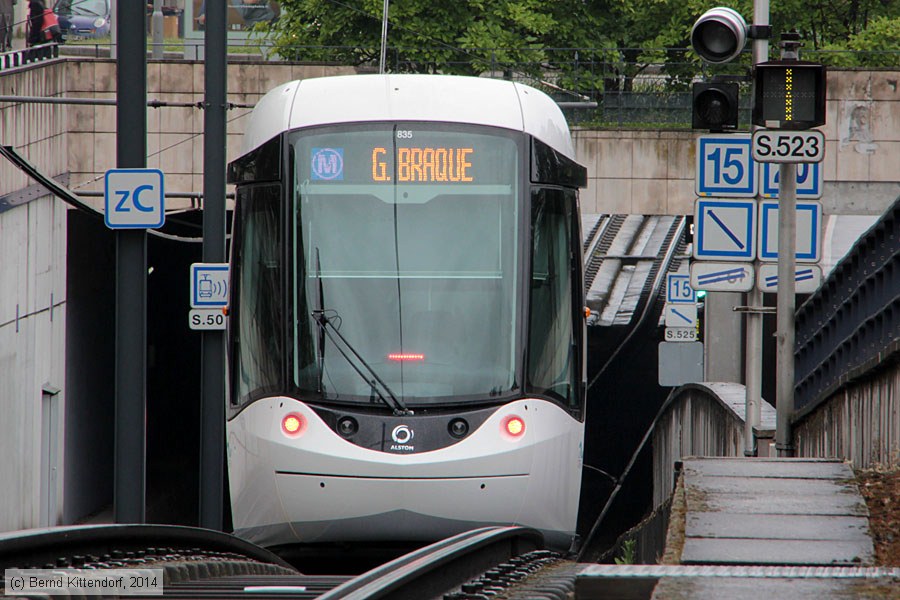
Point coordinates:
pixel 406 332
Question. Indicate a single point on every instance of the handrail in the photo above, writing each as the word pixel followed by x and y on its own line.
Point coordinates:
pixel 19 58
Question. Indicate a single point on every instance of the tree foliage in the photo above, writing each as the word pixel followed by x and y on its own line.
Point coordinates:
pixel 580 44
pixel 464 37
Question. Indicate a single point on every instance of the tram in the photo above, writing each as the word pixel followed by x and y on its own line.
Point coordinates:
pixel 406 341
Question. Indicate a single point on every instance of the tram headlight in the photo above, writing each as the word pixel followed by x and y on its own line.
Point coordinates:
pixel 293 425
pixel 347 426
pixel 458 428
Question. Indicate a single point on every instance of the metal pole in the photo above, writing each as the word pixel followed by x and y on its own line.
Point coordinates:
pixel 753 341
pixel 131 273
pixel 157 23
pixel 114 29
pixel 753 374
pixel 787 241
pixel 212 434
pixel 786 301
pixel 384 29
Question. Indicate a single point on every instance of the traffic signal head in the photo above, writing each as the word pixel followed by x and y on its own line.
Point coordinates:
pixel 719 35
pixel 715 106
pixel 790 94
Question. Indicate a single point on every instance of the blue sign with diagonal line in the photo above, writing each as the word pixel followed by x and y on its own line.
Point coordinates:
pixel 807 278
pixel 725 229
pixel 722 276
pixel 681 315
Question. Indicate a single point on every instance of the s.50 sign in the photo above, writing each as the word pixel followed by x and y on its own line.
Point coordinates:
pixel 782 146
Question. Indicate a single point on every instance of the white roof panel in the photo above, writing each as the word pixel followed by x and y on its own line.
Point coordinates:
pixel 438 98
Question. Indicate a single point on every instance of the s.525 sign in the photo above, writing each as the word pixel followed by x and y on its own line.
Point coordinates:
pixel 782 146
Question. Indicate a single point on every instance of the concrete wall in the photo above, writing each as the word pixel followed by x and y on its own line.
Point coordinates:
pixel 652 172
pixel 175 135
pixel 629 172
pixel 32 310
pixel 32 360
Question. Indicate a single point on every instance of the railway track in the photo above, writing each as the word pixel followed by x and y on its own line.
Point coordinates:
pixel 500 562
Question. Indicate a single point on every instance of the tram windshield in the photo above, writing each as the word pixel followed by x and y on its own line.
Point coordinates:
pixel 405 240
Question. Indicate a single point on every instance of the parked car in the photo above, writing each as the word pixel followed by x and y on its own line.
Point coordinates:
pixel 79 19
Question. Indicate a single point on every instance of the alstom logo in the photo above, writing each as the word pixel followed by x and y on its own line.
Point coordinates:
pixel 402 435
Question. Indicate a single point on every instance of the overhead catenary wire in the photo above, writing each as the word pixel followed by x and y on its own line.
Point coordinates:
pixel 112 102
pixel 69 197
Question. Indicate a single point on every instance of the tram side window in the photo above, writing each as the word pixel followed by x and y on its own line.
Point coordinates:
pixel 256 329
pixel 552 343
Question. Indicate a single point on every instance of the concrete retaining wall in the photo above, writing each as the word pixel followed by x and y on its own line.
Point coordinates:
pixel 652 172
pixel 32 308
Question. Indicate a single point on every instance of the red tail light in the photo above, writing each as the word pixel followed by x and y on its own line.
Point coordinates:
pixel 293 425
pixel 514 426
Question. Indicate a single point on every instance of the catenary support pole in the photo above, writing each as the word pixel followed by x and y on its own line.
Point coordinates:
pixel 212 435
pixel 384 31
pixel 131 273
pixel 754 329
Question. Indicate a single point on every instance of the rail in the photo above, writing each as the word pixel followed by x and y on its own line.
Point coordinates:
pixel 86 546
pixel 438 568
pixel 203 563
pixel 852 323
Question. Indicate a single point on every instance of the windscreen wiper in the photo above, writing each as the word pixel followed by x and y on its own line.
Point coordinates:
pixel 327 328
pixel 320 299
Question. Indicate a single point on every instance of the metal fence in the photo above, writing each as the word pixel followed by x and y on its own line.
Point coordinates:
pixel 18 58
pixel 599 87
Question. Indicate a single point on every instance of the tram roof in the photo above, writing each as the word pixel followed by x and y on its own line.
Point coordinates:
pixel 437 98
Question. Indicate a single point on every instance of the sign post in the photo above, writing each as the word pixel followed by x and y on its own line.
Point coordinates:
pixel 754 320
pixel 785 307
pixel 129 486
pixel 212 344
pixel 790 98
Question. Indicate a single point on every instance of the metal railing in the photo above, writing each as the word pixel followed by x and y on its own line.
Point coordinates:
pixel 852 323
pixel 600 87
pixel 18 58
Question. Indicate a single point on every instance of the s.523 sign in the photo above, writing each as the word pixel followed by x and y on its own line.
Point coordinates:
pixel 782 146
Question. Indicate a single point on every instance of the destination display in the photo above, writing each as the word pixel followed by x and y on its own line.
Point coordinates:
pixel 428 164
pixel 403 155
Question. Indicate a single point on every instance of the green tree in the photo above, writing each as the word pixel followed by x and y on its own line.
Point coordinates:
pixel 579 45
pixel 465 37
